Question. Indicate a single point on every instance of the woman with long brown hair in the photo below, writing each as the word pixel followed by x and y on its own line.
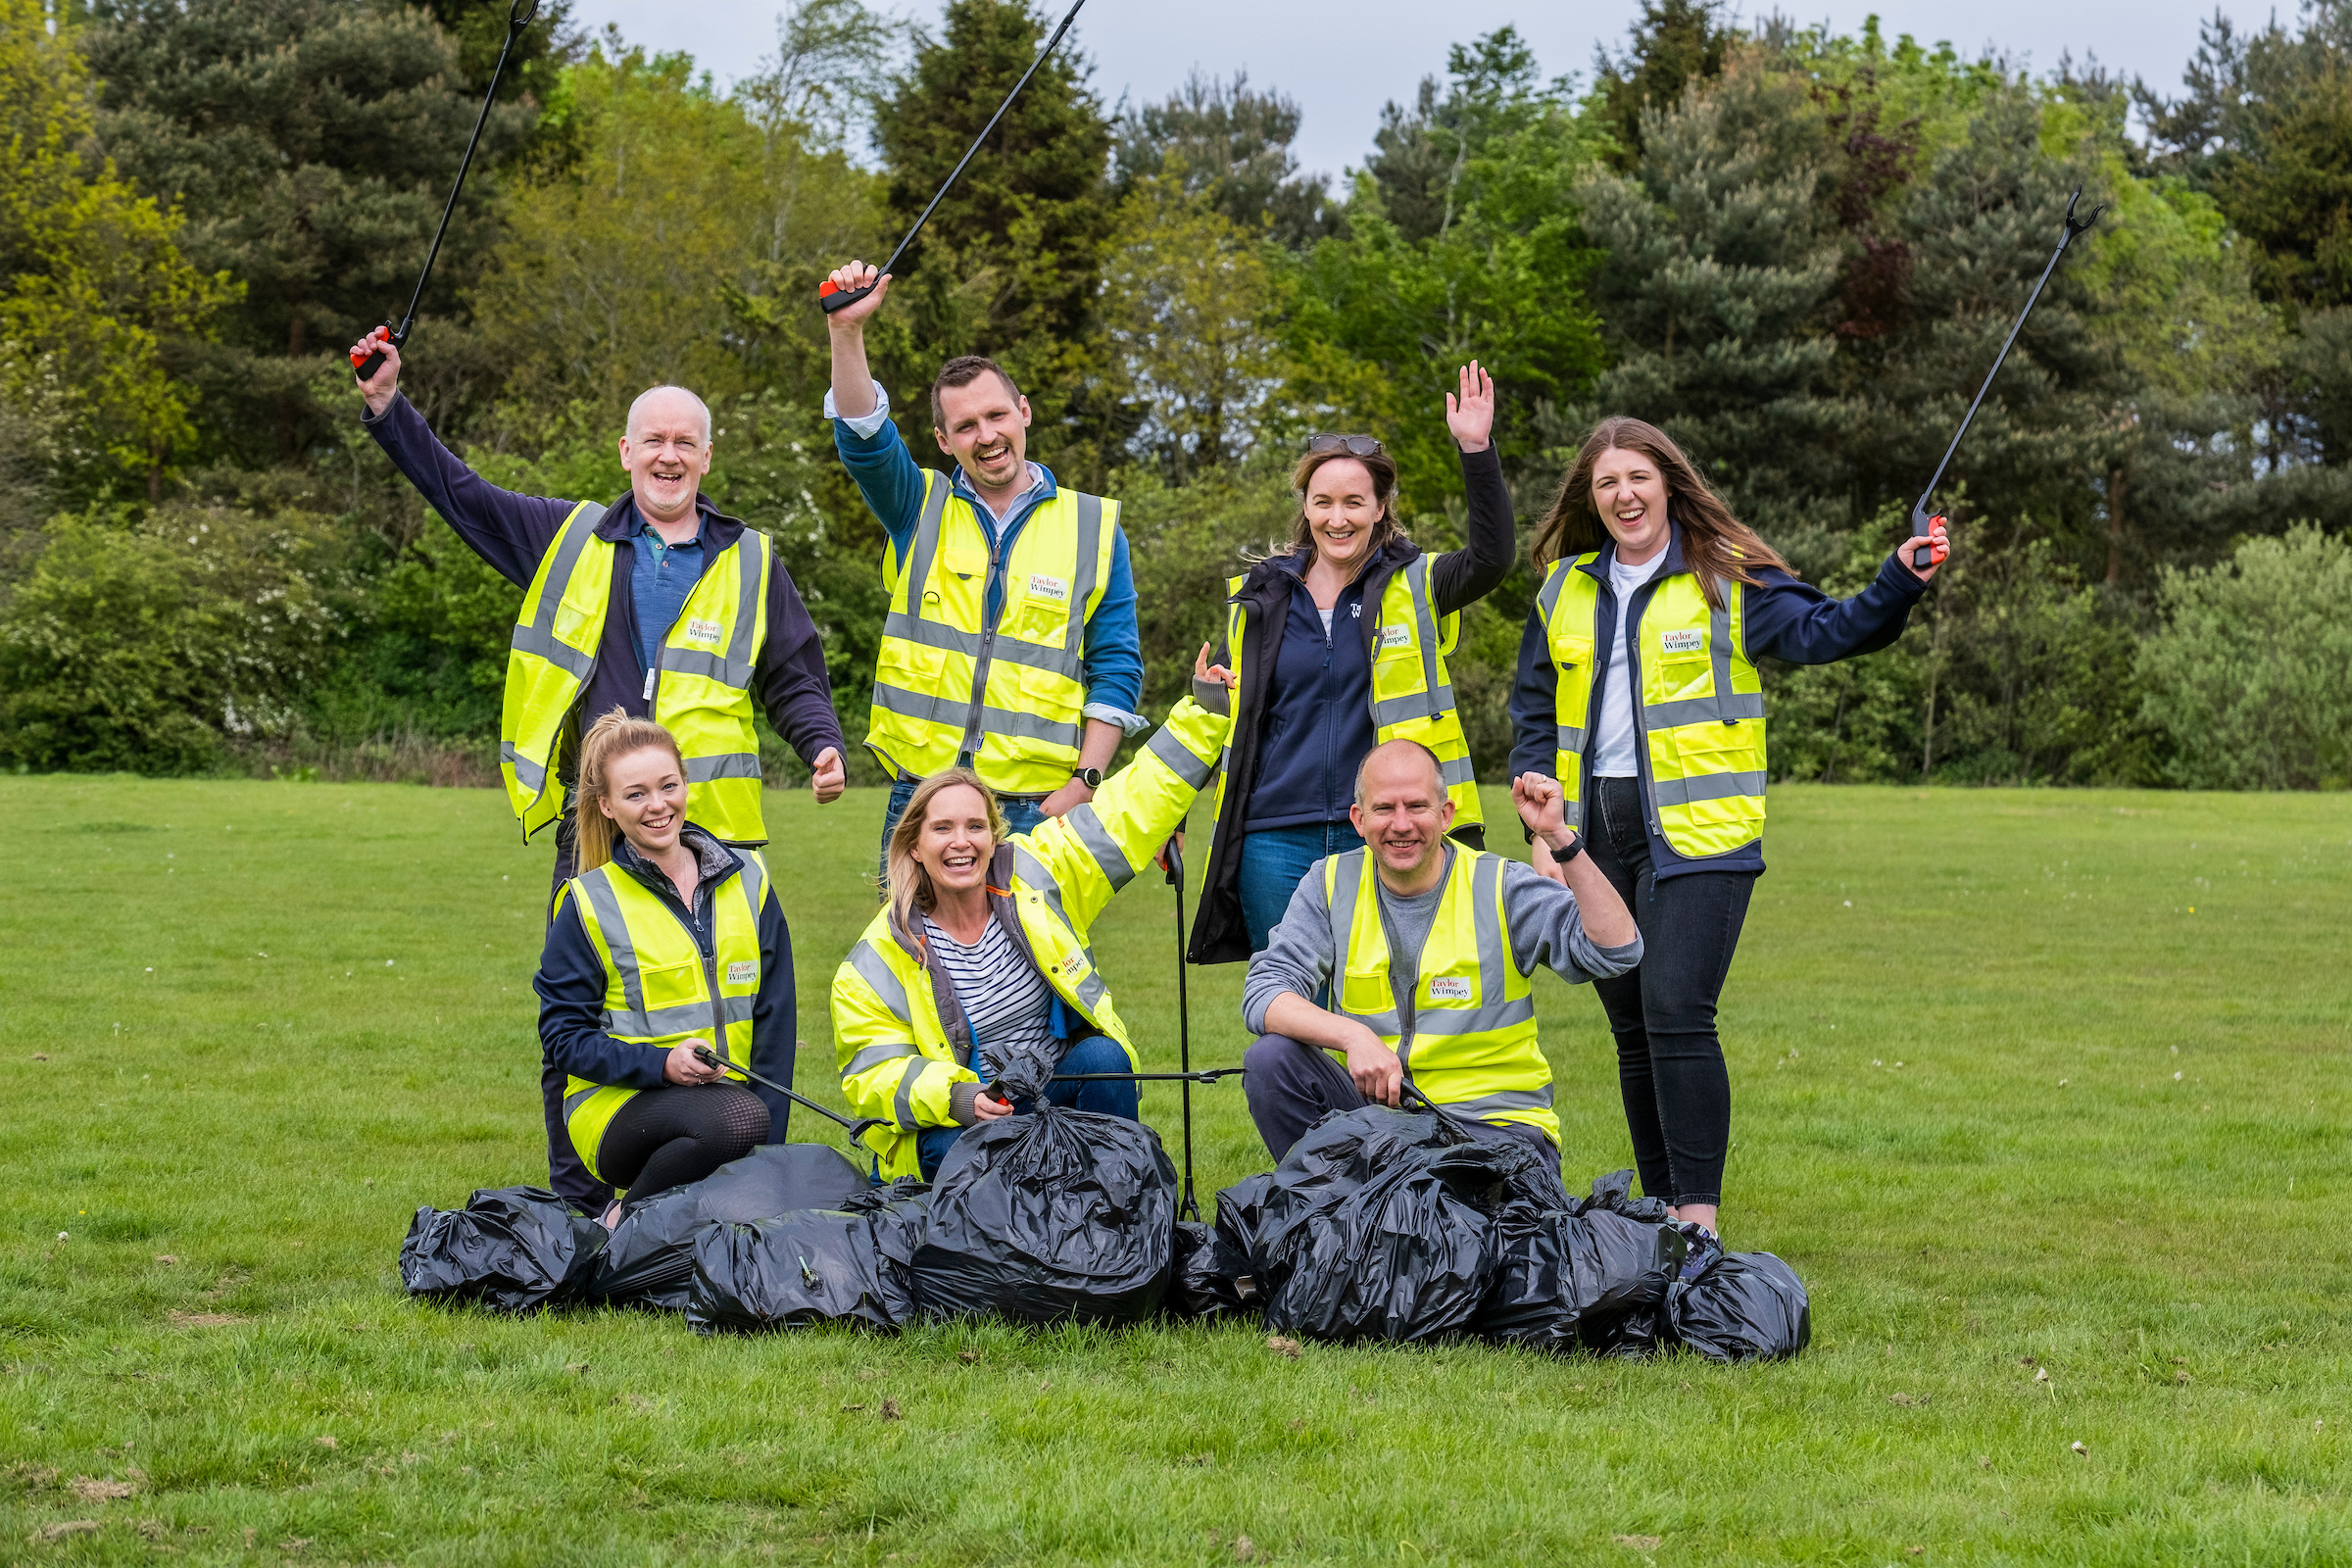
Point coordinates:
pixel 1337 643
pixel 1637 690
pixel 664 941
pixel 975 987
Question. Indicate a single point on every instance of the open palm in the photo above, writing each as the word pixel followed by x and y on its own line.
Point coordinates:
pixel 1470 416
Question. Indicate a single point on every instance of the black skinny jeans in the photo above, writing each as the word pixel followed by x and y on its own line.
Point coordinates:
pixel 1678 1093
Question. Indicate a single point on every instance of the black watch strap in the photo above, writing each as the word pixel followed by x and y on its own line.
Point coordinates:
pixel 1091 778
pixel 1575 847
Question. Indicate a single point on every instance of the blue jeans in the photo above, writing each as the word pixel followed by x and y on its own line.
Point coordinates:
pixel 1275 861
pixel 1021 813
pixel 1094 1053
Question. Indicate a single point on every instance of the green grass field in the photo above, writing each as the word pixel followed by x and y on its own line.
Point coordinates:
pixel 2025 1083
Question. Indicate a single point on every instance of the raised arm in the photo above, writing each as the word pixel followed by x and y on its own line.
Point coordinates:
pixel 1604 925
pixel 1460 578
pixel 1119 830
pixel 508 530
pixel 886 473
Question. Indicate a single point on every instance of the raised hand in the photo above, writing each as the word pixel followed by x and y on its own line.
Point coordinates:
pixel 378 391
pixel 1939 543
pixel 1542 807
pixel 1470 416
pixel 856 276
pixel 1212 674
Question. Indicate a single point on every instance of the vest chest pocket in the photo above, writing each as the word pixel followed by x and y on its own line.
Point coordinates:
pixel 1572 653
pixel 666 987
pixel 966 558
pixel 1395 640
pixel 1038 606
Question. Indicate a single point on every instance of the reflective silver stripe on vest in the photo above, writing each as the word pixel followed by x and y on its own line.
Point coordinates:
pixel 924 707
pixel 1436 698
pixel 1063 661
pixel 1472 1020
pixel 537 635
pixel 572 1102
pixel 725 764
pixel 731 668
pixel 1456 770
pixel 1705 787
pixel 1100 845
pixel 1724 705
pixel 529 775
pixel 1346 885
pixel 1497 1008
pixel 754 883
pixel 1179 758
pixel 1547 596
pixel 903 1104
pixel 875 971
pixel 1090 989
pixel 1389 711
pixel 1572 740
pixel 686 1018
pixel 1500 1101
pixel 598 885
pixel 873 1056
pixel 1029 869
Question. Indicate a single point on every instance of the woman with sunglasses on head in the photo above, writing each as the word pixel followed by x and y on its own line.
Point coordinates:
pixel 1337 643
pixel 1637 690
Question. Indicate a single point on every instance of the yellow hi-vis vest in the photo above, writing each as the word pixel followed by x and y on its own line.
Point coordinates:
pixel 659 987
pixel 1472 1045
pixel 1010 697
pixel 1412 695
pixel 700 688
pixel 896 1060
pixel 1700 716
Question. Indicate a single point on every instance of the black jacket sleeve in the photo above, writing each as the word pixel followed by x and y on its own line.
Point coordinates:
pixel 775 1013
pixel 570 983
pixel 1796 621
pixel 1460 578
pixel 508 530
pixel 1534 703
pixel 794 691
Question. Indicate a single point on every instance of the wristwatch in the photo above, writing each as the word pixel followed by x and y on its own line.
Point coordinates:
pixel 1091 778
pixel 1575 847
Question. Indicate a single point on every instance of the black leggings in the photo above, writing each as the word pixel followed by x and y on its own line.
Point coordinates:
pixel 680 1133
pixel 1678 1093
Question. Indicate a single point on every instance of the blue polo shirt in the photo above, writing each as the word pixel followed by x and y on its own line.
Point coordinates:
pixel 666 574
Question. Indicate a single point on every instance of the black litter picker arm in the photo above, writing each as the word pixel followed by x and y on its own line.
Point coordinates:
pixel 857 1128
pixel 1922 516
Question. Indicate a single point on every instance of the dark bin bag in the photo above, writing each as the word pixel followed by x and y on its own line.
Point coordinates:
pixel 1059 1215
pixel 1586 1276
pixel 1401 1258
pixel 1747 1306
pixel 650 1260
pixel 511 1248
pixel 791 1271
pixel 1212 1276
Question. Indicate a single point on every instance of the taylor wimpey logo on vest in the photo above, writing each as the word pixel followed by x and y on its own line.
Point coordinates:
pixel 1395 635
pixel 1687 640
pixel 1057 589
pixel 704 631
pixel 1450 988
pixel 743 971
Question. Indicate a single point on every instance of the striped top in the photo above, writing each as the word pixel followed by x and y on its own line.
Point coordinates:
pixel 1003 998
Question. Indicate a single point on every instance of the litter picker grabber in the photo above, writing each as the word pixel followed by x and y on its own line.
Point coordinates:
pixel 857 1129
pixel 1921 517
pixel 1171 859
pixel 364 365
pixel 831 295
pixel 1207 1075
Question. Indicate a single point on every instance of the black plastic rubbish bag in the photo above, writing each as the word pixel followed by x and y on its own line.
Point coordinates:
pixel 791 1271
pixel 1403 1257
pixel 511 1248
pixel 1746 1306
pixel 1212 1276
pixel 1591 1274
pixel 650 1260
pixel 1057 1216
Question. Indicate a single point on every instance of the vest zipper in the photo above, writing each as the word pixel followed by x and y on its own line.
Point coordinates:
pixel 710 957
pixel 988 645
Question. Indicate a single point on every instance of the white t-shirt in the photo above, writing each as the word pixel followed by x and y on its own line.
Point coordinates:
pixel 1614 736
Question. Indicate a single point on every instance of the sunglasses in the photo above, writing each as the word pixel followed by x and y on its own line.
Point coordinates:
pixel 1361 446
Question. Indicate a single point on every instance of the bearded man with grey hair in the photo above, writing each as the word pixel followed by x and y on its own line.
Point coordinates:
pixel 657 604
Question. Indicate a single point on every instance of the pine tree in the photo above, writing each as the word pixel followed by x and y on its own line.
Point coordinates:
pixel 1231 145
pixel 1675 43
pixel 309 145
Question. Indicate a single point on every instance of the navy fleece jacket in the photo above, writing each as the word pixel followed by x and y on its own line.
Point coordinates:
pixel 1785 619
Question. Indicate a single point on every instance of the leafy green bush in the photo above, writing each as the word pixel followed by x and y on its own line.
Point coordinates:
pixel 2248 671
pixel 147 648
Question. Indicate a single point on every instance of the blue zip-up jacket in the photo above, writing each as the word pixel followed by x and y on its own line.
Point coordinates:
pixel 1785 619
pixel 892 483
pixel 1318 711
pixel 571 984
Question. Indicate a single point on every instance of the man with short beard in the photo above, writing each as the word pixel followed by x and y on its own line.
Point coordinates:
pixel 1426 949
pixel 658 606
pixel 1011 645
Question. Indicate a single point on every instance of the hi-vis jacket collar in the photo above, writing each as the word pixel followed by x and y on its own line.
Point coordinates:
pixel 715 862
pixel 622 522
pixel 1598 565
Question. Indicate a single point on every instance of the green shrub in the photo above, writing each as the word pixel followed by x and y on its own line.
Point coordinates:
pixel 147 648
pixel 2248 669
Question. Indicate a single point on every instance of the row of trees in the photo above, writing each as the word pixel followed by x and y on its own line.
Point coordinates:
pixel 1794 249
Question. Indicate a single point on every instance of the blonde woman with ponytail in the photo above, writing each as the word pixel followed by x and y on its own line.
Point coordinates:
pixel 975 986
pixel 665 940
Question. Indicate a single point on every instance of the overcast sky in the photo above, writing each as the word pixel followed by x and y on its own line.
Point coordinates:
pixel 1343 61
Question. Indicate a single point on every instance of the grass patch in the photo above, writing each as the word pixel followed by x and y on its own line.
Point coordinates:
pixel 2007 1104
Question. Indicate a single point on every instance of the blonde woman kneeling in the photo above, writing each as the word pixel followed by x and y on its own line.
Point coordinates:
pixel 980 966
pixel 666 940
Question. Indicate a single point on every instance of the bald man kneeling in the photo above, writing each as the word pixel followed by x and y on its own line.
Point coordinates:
pixel 1425 949
pixel 657 606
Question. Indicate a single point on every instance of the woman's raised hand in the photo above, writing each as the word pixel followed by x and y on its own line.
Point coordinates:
pixel 1216 675
pixel 1471 414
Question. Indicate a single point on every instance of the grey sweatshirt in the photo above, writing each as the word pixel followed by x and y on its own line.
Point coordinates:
pixel 1546 932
